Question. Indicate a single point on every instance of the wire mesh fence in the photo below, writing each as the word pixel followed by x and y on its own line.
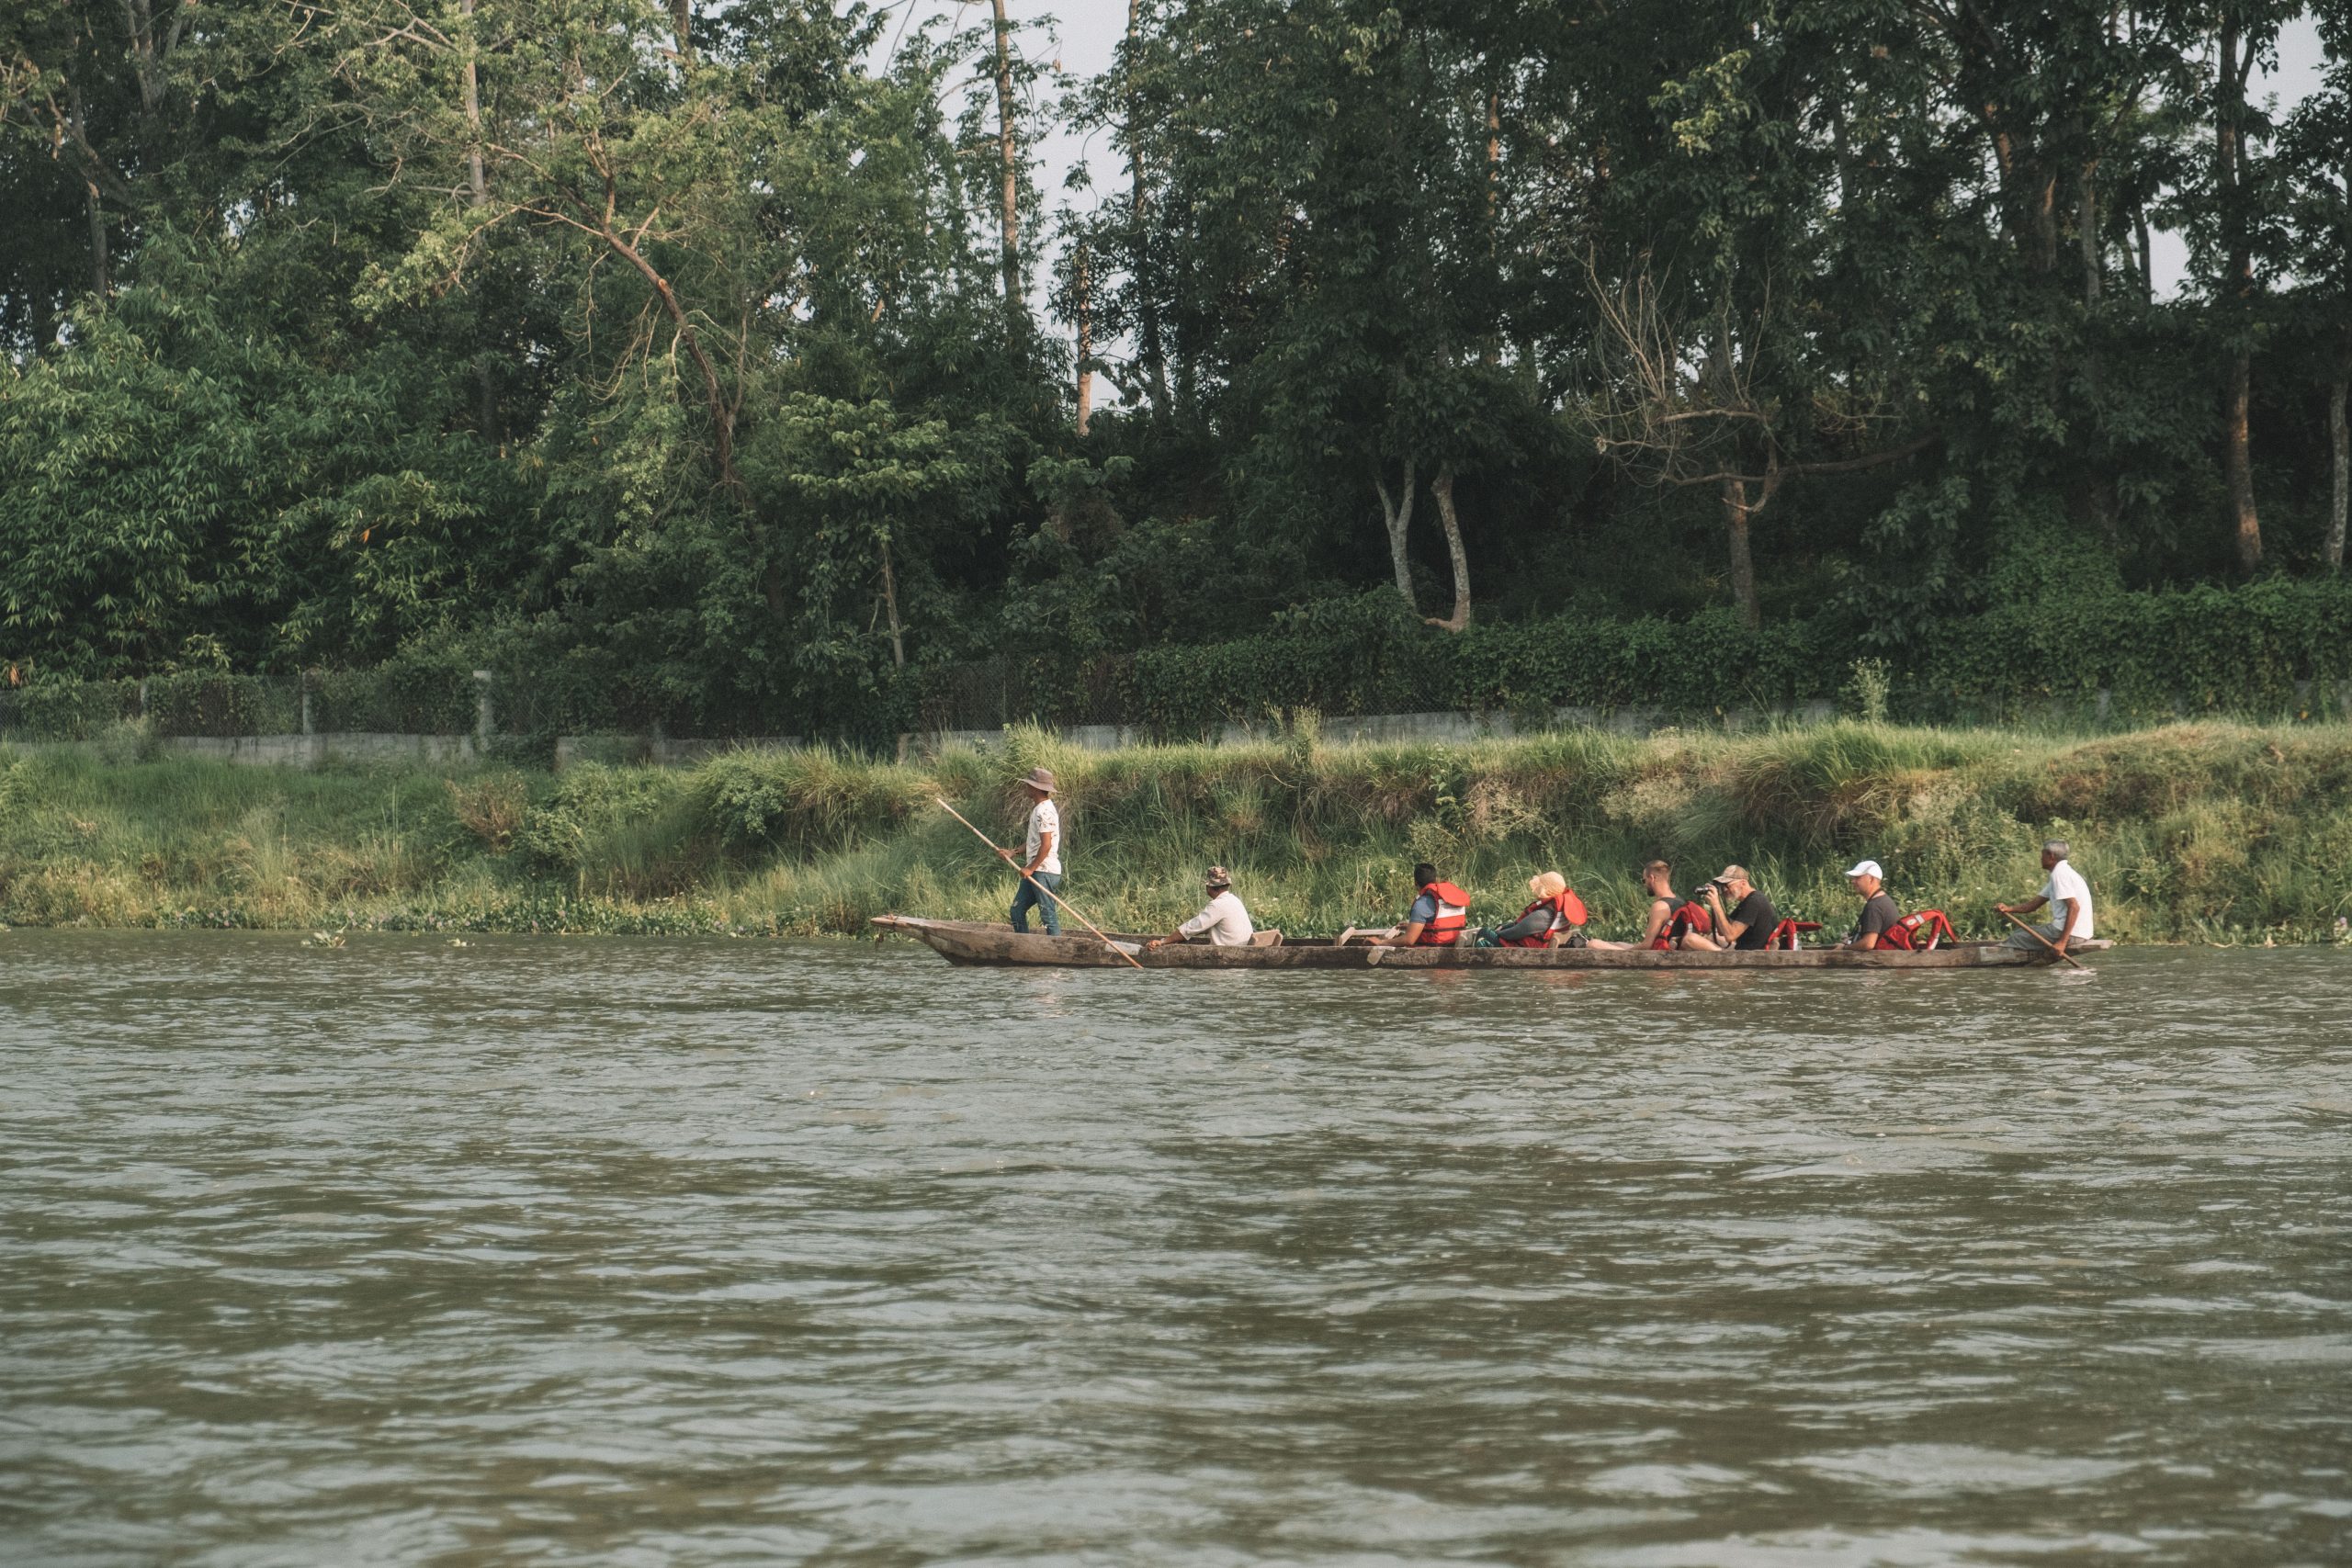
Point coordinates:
pixel 448 700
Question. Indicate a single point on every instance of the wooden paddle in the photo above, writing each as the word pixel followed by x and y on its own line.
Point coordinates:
pixel 1058 898
pixel 2035 935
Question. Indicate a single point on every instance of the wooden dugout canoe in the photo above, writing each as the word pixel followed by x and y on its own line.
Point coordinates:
pixel 970 941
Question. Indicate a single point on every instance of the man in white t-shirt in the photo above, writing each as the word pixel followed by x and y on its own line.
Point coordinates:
pixel 2069 897
pixel 1041 861
pixel 1222 919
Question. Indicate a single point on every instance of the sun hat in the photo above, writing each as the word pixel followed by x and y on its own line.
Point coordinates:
pixel 1219 877
pixel 1547 884
pixel 1040 778
pixel 1866 868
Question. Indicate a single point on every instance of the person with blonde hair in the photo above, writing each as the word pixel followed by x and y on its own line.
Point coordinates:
pixel 1553 920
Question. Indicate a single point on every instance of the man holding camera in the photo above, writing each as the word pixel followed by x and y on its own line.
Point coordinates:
pixel 1749 923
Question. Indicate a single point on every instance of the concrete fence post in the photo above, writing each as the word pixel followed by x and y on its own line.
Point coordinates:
pixel 485 722
pixel 310 726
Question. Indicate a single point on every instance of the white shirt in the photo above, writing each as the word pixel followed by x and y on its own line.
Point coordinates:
pixel 1226 923
pixel 2067 883
pixel 1044 819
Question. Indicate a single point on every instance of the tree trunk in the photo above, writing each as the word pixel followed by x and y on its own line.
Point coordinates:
pixel 1398 516
pixel 1736 512
pixel 2339 441
pixel 473 109
pixel 1442 487
pixel 1085 305
pixel 485 379
pixel 2098 498
pixel 2087 234
pixel 101 284
pixel 2147 255
pixel 722 413
pixel 1494 162
pixel 1155 354
pixel 2229 159
pixel 2237 460
pixel 1015 308
pixel 890 604
pixel 682 22
pixel 138 21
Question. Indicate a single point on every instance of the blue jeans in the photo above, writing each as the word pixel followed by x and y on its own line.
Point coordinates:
pixel 1028 898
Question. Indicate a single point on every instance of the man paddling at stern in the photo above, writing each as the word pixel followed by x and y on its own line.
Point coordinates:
pixel 1880 914
pixel 2071 896
pixel 1041 861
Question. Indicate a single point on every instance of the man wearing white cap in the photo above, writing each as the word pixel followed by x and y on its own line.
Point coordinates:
pixel 1878 913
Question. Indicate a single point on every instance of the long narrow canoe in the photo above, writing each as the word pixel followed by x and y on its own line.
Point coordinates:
pixel 970 941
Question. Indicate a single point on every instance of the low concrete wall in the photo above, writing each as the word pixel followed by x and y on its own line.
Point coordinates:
pixel 310 751
pixel 660 751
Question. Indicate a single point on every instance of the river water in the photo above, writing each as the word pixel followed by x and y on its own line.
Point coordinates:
pixel 604 1251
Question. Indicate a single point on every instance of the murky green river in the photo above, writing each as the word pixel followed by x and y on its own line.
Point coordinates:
pixel 542 1251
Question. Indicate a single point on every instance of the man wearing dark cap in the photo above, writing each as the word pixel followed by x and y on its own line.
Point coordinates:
pixel 1222 919
pixel 1041 861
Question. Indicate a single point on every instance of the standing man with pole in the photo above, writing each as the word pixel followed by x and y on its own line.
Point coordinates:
pixel 1041 861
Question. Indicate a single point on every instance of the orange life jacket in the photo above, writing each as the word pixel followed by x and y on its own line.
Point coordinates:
pixel 1566 909
pixel 1453 914
pixel 1922 932
pixel 1691 917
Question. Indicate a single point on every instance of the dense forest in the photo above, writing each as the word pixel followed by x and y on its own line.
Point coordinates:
pixel 735 354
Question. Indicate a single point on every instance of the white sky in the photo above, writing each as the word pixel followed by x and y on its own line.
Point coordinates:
pixel 1088 32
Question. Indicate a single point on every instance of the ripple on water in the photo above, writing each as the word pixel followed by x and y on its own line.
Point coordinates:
pixel 693 1253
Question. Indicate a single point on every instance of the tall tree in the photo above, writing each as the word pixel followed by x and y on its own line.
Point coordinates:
pixel 1016 303
pixel 2316 153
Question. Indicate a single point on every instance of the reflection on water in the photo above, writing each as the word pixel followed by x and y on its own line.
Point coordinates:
pixel 548 1251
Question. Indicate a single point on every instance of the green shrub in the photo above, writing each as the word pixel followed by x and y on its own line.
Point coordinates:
pixel 591 803
pixel 125 741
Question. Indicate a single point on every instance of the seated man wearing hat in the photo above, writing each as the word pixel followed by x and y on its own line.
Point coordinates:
pixel 1041 862
pixel 1880 914
pixel 1222 919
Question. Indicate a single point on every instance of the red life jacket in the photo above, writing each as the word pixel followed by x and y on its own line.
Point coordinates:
pixel 1922 932
pixel 1452 914
pixel 1691 917
pixel 1785 934
pixel 1566 909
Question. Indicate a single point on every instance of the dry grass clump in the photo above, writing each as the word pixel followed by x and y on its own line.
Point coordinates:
pixel 491 807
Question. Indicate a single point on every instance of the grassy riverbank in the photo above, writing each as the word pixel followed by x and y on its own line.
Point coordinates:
pixel 2197 832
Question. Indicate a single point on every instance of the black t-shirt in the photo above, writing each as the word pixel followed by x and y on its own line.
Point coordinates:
pixel 1756 915
pixel 1880 915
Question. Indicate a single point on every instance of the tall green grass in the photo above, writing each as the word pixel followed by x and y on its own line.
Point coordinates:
pixel 2208 831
